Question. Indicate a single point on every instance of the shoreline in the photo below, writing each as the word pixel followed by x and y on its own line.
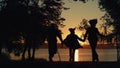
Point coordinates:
pixel 99 46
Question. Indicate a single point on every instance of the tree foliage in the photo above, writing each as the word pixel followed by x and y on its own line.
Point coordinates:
pixel 112 7
pixel 107 24
pixel 28 17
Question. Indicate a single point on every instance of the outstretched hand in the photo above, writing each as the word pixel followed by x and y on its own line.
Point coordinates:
pixel 106 36
pixel 83 40
pixel 62 44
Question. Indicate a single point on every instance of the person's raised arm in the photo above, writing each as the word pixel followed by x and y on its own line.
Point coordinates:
pixel 80 38
pixel 85 36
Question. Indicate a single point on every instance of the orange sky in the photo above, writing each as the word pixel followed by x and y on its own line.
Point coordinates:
pixel 77 12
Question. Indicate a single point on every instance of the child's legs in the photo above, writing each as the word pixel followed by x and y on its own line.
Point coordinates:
pixel 71 54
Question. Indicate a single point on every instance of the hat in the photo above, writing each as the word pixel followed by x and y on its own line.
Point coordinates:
pixel 93 21
pixel 71 29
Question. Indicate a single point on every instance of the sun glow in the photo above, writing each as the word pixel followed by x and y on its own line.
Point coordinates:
pixel 76 55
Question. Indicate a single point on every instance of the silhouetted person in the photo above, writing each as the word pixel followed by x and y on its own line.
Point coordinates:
pixel 92 34
pixel 52 34
pixel 29 46
pixel 71 41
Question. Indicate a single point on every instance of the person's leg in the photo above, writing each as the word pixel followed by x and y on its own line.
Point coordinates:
pixel 33 53
pixel 51 55
pixel 94 53
pixel 70 54
pixel 52 47
pixel 73 54
pixel 24 50
pixel 29 52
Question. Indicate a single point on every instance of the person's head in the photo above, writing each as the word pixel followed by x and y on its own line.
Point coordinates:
pixel 93 22
pixel 72 30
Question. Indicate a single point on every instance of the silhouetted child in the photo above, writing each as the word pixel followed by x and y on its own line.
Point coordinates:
pixel 71 41
pixel 92 34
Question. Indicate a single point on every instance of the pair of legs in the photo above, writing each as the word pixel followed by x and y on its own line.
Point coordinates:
pixel 94 56
pixel 94 53
pixel 51 55
pixel 71 54
pixel 29 48
pixel 52 48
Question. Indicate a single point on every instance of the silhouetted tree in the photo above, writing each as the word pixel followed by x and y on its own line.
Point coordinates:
pixel 113 9
pixel 28 16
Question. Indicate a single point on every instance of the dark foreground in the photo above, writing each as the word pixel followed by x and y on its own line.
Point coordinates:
pixel 41 63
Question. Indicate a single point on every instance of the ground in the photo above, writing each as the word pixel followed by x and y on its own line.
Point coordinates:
pixel 41 63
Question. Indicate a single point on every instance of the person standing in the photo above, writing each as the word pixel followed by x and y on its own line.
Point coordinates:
pixel 52 33
pixel 71 41
pixel 92 34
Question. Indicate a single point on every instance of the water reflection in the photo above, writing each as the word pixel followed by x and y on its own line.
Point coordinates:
pixel 80 55
pixel 76 55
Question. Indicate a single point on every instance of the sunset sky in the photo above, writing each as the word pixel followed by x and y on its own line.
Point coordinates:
pixel 79 11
